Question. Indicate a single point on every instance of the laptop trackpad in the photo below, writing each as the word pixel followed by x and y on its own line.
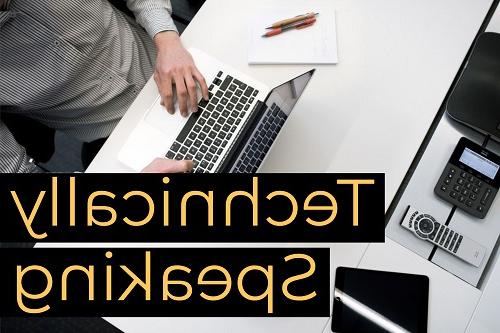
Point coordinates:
pixel 152 137
pixel 158 117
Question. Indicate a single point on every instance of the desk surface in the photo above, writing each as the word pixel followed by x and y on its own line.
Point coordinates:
pixel 396 62
pixel 369 113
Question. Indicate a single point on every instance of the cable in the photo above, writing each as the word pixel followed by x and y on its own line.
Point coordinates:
pixel 486 140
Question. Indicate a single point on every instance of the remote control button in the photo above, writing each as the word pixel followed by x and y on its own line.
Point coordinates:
pixel 463 174
pixel 479 183
pixel 458 243
pixel 420 234
pixel 486 196
pixel 472 196
pixel 475 189
pixel 457 188
pixel 443 188
pixel 448 239
pixel 453 194
pixel 452 170
pixel 453 241
pixel 439 233
pixel 444 236
pixel 426 225
pixel 435 230
pixel 447 181
pixel 468 186
pixel 465 192
pixel 480 209
pixel 450 176
pixel 461 198
pixel 468 203
pixel 433 234
pixel 460 181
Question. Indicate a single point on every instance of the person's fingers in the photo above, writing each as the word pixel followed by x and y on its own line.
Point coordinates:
pixel 173 166
pixel 156 78
pixel 201 81
pixel 162 165
pixel 168 94
pixel 165 89
pixel 182 94
pixel 191 87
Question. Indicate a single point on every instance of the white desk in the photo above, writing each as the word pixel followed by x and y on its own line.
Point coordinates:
pixel 397 59
pixel 369 113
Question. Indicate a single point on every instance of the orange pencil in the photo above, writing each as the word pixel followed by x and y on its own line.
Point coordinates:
pixel 297 25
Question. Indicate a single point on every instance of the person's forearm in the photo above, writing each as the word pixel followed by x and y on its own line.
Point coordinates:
pixel 153 15
pixel 165 38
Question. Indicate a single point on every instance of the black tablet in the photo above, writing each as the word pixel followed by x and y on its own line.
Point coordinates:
pixel 376 301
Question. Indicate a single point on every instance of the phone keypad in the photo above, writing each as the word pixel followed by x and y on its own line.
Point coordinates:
pixel 465 191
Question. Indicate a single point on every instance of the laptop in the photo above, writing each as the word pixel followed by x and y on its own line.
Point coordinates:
pixel 232 132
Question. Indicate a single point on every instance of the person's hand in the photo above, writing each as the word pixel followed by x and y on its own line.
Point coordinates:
pixel 163 165
pixel 175 67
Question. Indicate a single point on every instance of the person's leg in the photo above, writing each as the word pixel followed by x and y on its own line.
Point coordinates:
pixel 90 150
pixel 36 138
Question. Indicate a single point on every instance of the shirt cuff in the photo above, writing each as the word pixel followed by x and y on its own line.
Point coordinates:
pixel 29 166
pixel 155 21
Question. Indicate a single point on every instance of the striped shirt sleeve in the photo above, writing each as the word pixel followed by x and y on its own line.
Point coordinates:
pixel 153 15
pixel 13 156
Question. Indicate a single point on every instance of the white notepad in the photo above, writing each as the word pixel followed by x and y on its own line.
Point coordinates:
pixel 313 45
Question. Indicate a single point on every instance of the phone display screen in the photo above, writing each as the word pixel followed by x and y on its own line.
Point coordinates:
pixel 479 163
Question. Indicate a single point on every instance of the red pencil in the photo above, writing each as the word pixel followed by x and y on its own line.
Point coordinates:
pixel 298 25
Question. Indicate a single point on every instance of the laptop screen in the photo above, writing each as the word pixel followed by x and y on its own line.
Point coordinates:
pixel 286 95
pixel 265 124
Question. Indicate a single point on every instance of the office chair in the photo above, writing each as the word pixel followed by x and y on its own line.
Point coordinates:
pixel 36 138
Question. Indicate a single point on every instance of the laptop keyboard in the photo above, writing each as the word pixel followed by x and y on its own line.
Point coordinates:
pixel 208 131
pixel 261 140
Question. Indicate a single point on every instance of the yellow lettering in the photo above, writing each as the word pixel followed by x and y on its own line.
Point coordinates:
pixel 209 198
pixel 22 292
pixel 253 198
pixel 267 293
pixel 151 208
pixel 312 268
pixel 333 208
pixel 355 195
pixel 166 282
pixel 295 208
pixel 226 282
pixel 28 221
pixel 90 277
pixel 91 207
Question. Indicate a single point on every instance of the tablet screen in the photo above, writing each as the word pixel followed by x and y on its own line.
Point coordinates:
pixel 376 301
